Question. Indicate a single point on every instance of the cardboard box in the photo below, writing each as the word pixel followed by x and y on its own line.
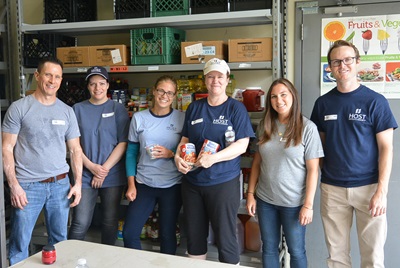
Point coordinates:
pixel 209 50
pixel 109 55
pixel 254 49
pixel 74 56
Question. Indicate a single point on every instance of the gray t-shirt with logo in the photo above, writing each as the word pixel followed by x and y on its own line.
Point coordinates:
pixel 40 151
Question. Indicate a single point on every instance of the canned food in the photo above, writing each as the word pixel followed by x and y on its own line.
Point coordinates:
pixel 209 147
pixel 188 153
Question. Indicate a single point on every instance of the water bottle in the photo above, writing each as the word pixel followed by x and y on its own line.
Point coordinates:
pixel 122 97
pixel 81 263
pixel 115 96
pixel 229 136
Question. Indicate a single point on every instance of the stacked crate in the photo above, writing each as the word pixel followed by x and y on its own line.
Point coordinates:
pixel 60 11
pixel 156 45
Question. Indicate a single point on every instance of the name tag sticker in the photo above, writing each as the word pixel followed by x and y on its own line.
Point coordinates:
pixel 107 115
pixel 330 117
pixel 58 122
pixel 197 121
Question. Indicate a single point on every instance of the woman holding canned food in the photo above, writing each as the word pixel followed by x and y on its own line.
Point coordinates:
pixel 211 188
pixel 152 175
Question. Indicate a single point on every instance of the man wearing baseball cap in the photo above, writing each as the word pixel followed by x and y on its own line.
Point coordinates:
pixel 211 193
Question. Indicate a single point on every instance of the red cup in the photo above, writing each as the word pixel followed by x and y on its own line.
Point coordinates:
pixel 49 254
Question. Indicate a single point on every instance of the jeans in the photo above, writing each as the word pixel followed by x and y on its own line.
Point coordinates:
pixel 169 205
pixel 271 218
pixel 110 199
pixel 53 198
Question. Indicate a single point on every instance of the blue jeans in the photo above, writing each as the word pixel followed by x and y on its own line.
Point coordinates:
pixel 52 197
pixel 271 218
pixel 169 205
pixel 82 215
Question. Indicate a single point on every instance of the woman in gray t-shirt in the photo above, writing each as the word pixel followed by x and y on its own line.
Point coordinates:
pixel 284 175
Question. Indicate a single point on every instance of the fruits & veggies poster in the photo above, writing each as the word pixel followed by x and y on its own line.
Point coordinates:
pixel 377 38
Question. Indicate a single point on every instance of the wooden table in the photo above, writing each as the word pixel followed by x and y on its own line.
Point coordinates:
pixel 103 256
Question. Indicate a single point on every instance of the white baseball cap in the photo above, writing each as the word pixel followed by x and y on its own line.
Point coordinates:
pixel 218 65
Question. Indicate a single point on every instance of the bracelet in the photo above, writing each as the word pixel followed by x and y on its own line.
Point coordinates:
pixel 250 193
pixel 307 207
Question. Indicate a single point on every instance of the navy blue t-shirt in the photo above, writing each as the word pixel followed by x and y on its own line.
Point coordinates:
pixel 202 122
pixel 350 122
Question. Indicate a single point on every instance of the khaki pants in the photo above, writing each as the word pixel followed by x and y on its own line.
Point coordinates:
pixel 337 207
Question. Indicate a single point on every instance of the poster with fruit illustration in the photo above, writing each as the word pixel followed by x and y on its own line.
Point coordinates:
pixel 377 38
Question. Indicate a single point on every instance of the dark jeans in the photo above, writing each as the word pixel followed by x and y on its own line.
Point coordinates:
pixel 83 213
pixel 271 219
pixel 169 205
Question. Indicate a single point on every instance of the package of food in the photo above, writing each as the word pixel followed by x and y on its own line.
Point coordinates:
pixel 209 147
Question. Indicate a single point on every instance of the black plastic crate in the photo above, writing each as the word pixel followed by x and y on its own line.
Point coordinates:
pixel 240 5
pixel 125 9
pixel 73 90
pixel 208 6
pixel 59 11
pixel 84 10
pixel 37 46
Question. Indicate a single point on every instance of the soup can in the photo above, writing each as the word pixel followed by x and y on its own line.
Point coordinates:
pixel 188 153
pixel 209 147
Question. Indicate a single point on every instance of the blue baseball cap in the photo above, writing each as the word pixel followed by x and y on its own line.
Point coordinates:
pixel 97 70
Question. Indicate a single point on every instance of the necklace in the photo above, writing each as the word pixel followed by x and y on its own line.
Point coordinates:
pixel 281 131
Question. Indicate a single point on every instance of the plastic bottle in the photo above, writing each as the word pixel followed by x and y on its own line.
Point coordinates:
pixel 122 97
pixel 196 83
pixel 229 136
pixel 115 94
pixel 183 84
pixel 253 235
pixel 231 85
pixel 81 263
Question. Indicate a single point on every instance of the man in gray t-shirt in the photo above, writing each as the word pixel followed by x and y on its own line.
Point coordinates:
pixel 36 132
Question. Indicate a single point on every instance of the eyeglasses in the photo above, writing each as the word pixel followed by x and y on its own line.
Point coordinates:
pixel 346 61
pixel 162 92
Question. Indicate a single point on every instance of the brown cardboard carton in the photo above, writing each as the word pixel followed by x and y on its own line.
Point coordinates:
pixel 249 50
pixel 108 55
pixel 211 49
pixel 74 56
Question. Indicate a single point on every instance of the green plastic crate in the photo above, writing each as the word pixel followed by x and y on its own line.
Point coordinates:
pixel 156 45
pixel 160 8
